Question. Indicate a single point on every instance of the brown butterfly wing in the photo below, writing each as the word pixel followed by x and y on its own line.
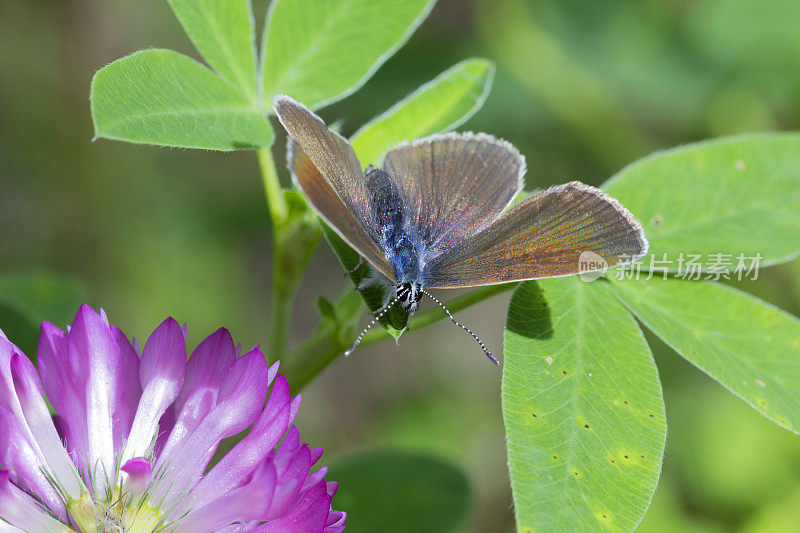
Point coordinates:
pixel 455 184
pixel 542 237
pixel 325 167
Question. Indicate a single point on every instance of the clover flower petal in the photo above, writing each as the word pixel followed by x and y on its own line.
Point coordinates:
pixel 133 435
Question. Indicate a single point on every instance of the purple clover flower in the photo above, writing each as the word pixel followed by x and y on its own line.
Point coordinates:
pixel 134 434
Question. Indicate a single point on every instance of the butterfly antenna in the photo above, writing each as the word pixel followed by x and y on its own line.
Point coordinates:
pixel 372 322
pixel 491 357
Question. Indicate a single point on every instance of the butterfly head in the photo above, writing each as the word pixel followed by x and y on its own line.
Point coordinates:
pixel 409 294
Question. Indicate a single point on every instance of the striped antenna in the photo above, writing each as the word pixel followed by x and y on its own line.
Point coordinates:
pixel 378 316
pixel 491 357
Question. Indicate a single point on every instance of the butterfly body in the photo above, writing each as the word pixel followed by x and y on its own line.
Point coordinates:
pixel 398 238
pixel 436 213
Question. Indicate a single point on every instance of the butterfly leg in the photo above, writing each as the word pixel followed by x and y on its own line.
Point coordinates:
pixel 352 270
pixel 390 293
pixel 408 320
pixel 387 297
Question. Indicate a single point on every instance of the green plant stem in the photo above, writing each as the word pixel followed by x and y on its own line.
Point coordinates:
pixel 272 187
pixel 279 315
pixel 326 343
pixel 281 301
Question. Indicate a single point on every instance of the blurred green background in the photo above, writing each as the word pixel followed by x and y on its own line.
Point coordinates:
pixel 582 88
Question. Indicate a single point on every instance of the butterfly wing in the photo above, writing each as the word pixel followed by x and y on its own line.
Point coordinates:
pixel 325 167
pixel 542 237
pixel 455 184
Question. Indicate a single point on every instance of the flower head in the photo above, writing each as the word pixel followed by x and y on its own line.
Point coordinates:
pixel 129 447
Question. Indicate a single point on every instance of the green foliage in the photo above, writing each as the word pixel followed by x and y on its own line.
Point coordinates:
pixel 583 409
pixel 437 106
pixel 731 196
pixel 26 300
pixel 744 343
pixel 730 456
pixel 319 51
pixel 223 31
pixel 316 51
pixel 166 98
pixel 738 195
pixel 398 492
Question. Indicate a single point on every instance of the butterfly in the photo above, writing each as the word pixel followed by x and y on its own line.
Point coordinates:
pixel 435 213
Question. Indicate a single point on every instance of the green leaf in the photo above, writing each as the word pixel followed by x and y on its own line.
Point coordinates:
pixel 440 105
pixel 325 309
pixel 583 409
pixel 393 491
pixel 28 299
pixel 319 51
pixel 166 98
pixel 748 345
pixel 223 31
pixel 738 195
